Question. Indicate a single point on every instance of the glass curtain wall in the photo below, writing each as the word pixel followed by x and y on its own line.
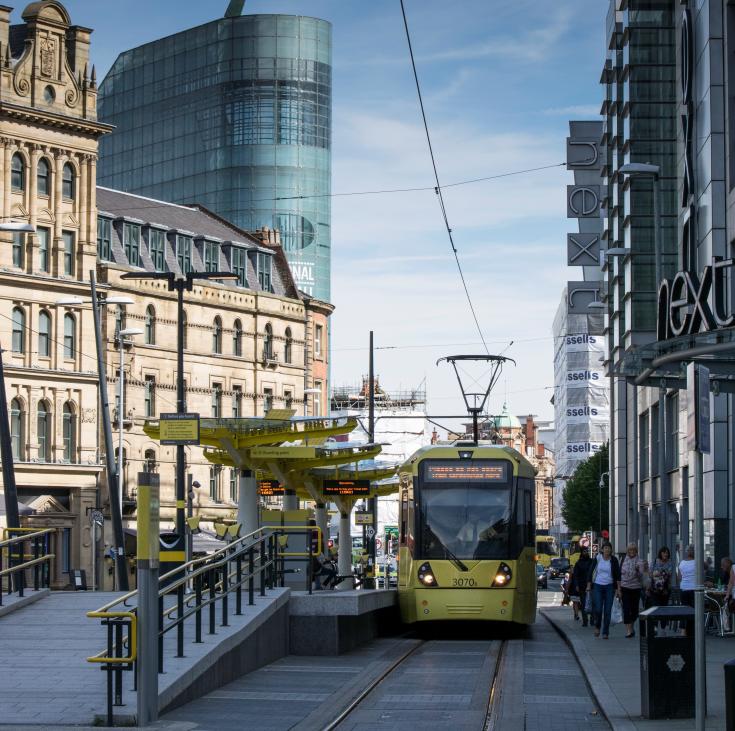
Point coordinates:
pixel 236 115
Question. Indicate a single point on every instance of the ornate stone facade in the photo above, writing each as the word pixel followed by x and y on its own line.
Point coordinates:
pixel 49 135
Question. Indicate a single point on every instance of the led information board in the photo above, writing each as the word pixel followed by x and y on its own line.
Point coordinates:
pixel 179 429
pixel 270 487
pixel 465 471
pixel 346 487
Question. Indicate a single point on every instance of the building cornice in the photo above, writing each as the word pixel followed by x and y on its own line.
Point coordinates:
pixel 49 119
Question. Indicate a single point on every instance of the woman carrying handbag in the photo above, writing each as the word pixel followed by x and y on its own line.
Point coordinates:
pixel 633 569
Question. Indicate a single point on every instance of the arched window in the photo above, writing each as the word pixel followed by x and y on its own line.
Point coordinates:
pixel 70 433
pixel 17 441
pixel 150 325
pixel 268 342
pixel 68 182
pixel 288 347
pixel 237 338
pixel 43 177
pixel 18 173
pixel 44 334
pixel 184 330
pixel 217 335
pixel 43 424
pixel 149 461
pixel 70 336
pixel 19 330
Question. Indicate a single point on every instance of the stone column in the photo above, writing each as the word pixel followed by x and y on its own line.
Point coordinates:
pixel 56 248
pixel 322 521
pixel 290 500
pixel 344 559
pixel 247 502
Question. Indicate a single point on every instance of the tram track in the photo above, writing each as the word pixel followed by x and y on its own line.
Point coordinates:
pixel 436 683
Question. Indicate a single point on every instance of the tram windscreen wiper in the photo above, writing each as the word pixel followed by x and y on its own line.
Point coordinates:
pixel 457 562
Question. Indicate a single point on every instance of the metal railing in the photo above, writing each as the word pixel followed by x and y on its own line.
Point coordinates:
pixel 25 551
pixel 191 592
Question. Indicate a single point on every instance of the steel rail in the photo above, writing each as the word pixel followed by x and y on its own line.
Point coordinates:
pixel 373 685
pixel 493 703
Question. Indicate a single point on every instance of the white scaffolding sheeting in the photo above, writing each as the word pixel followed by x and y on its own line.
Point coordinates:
pixel 581 396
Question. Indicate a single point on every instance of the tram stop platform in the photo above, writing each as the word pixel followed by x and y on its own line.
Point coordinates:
pixel 48 682
pixel 46 639
pixel 335 622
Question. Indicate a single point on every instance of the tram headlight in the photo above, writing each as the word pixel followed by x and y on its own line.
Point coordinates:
pixel 426 575
pixel 503 575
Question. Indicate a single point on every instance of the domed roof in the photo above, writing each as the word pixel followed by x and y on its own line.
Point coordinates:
pixel 506 420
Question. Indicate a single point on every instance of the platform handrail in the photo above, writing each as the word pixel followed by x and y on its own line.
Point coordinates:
pixel 188 590
pixel 21 559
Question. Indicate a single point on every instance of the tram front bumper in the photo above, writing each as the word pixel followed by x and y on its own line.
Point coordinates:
pixel 467 604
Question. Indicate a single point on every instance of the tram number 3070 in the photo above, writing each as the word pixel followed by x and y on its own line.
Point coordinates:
pixel 464 582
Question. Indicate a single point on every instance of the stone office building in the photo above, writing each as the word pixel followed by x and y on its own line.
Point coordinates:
pixel 669 85
pixel 249 345
pixel 49 134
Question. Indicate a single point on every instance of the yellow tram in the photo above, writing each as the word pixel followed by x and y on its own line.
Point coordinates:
pixel 467 535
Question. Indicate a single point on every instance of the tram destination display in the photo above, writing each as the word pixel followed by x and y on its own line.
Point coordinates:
pixel 270 487
pixel 458 471
pixel 346 487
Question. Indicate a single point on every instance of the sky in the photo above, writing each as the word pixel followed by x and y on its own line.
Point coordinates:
pixel 500 80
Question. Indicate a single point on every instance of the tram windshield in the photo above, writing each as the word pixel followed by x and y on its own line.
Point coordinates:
pixel 465 508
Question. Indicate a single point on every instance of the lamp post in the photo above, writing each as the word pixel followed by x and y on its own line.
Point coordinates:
pixel 179 283
pixel 113 469
pixel 121 335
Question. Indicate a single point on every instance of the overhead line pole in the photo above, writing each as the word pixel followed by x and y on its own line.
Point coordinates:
pixel 373 501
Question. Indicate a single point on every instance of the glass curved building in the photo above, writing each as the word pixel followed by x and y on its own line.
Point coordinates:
pixel 234 115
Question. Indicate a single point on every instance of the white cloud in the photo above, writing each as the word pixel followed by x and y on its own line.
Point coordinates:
pixel 533 45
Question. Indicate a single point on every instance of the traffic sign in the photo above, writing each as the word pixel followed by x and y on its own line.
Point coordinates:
pixel 96 517
pixel 363 518
pixel 370 531
pixel 378 544
pixel 605 534
pixel 584 542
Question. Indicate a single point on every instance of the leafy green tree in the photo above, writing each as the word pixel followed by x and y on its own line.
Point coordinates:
pixel 585 505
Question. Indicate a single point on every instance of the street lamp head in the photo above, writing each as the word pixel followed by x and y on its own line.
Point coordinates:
pixel 640 168
pixel 118 301
pixel 129 331
pixel 72 301
pixel 18 226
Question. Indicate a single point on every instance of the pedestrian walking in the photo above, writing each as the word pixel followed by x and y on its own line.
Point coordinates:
pixel 659 589
pixel 633 571
pixel 686 575
pixel 579 580
pixel 603 581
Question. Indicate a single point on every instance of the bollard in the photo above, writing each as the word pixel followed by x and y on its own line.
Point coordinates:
pixel 730 695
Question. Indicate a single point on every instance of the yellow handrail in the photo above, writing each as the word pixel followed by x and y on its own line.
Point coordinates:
pixel 132 638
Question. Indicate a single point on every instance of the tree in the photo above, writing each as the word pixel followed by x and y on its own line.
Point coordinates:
pixel 585 504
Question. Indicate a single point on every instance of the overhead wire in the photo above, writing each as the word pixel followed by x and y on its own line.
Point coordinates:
pixel 438 188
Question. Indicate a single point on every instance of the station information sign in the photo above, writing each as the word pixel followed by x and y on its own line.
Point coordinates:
pixel 346 487
pixel 461 471
pixel 270 487
pixel 179 429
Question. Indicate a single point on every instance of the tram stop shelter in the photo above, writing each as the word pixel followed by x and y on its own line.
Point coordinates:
pixel 295 451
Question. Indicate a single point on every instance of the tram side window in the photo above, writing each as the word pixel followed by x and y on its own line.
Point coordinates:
pixel 530 519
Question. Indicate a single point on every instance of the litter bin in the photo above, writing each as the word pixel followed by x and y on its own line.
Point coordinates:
pixel 172 554
pixel 667 664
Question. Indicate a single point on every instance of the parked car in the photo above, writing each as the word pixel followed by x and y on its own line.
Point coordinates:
pixel 542 581
pixel 558 567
